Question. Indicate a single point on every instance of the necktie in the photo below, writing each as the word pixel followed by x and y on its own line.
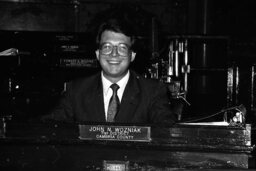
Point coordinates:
pixel 114 104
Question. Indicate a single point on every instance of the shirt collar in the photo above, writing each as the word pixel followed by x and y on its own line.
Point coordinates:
pixel 121 83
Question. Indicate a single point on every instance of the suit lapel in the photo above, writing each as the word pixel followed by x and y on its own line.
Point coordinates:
pixel 129 101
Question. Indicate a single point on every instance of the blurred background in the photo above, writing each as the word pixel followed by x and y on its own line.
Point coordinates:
pixel 203 49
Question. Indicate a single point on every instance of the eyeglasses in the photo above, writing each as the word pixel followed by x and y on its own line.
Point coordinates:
pixel 122 49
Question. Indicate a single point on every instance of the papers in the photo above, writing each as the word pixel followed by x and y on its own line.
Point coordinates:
pixel 221 123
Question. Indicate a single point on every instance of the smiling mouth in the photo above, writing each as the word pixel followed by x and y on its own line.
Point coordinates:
pixel 114 62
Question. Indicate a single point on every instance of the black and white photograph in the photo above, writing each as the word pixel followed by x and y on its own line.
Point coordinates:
pixel 127 85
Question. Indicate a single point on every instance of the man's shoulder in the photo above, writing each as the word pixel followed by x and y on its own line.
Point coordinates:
pixel 84 82
pixel 90 78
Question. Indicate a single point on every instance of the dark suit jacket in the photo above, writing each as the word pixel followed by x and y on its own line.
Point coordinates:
pixel 143 101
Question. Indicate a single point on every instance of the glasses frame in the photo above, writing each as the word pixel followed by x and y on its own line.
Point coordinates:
pixel 115 47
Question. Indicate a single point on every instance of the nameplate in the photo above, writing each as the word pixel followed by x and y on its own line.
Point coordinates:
pixel 116 133
pixel 115 165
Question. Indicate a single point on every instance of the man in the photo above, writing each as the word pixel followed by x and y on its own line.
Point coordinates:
pixel 139 100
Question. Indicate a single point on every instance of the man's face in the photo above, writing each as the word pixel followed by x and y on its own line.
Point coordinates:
pixel 114 55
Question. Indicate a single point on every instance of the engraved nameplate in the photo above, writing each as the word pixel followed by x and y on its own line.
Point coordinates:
pixel 115 165
pixel 117 133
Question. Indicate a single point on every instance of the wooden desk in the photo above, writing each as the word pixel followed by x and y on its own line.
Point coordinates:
pixel 57 147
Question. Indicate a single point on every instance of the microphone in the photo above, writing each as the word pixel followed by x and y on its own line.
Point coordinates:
pixel 236 119
pixel 242 109
pixel 239 116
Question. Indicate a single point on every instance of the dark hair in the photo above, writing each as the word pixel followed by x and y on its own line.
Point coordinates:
pixel 119 25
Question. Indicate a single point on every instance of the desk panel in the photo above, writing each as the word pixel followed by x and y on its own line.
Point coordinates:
pixel 50 148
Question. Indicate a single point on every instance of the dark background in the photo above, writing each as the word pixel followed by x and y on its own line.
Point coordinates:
pixel 220 34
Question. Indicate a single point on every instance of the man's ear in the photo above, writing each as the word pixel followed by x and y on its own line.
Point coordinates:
pixel 97 53
pixel 133 56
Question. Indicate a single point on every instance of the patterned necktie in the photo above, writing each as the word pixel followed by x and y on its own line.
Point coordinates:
pixel 114 104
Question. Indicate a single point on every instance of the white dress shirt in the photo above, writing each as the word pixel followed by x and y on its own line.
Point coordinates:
pixel 107 91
